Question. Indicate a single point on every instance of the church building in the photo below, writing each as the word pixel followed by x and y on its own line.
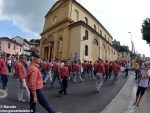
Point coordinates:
pixel 71 32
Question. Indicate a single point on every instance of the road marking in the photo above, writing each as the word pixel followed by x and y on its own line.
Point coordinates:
pixel 3 94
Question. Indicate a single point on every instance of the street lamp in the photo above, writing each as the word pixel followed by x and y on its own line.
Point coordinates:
pixel 131 35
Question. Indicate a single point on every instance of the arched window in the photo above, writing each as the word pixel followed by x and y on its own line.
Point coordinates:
pixel 95 42
pixel 94 27
pixel 86 50
pixel 86 20
pixel 105 36
pixel 86 35
pixel 101 32
pixel 55 19
pixel 77 15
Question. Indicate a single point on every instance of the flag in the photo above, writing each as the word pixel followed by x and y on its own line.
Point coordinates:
pixel 133 55
pixel 133 47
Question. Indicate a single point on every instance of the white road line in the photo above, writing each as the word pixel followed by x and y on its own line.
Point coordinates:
pixel 4 94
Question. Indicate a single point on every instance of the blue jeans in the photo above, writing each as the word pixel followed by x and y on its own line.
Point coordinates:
pixel 44 73
pixel 4 79
pixel 54 78
pixel 42 101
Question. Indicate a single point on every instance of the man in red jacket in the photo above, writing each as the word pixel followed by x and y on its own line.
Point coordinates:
pixel 64 76
pixel 21 78
pixel 56 74
pixel 48 69
pixel 116 69
pixel 100 71
pixel 77 69
pixel 35 85
pixel 106 64
pixel 3 71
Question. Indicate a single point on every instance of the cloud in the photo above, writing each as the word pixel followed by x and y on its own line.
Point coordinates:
pixel 28 15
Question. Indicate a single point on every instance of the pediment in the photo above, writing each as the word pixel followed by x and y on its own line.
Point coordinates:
pixel 55 6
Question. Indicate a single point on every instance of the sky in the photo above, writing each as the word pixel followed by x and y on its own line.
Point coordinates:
pixel 25 18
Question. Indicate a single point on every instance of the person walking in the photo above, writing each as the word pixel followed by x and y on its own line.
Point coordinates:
pixel 35 85
pixel 106 64
pixel 3 72
pixel 49 72
pixel 77 69
pixel 64 76
pixel 99 78
pixel 21 79
pixel 127 68
pixel 116 69
pixel 56 74
pixel 143 84
pixel 44 69
pixel 110 69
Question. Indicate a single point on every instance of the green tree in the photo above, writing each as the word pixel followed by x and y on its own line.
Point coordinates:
pixel 146 30
pixel 121 48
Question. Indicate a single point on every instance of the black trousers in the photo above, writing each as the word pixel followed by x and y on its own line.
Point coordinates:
pixel 4 79
pixel 127 71
pixel 41 100
pixel 140 91
pixel 64 86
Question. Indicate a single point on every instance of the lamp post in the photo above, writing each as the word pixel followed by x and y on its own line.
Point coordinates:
pixel 131 35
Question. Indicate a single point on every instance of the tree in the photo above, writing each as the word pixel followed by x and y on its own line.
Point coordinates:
pixel 146 30
pixel 120 48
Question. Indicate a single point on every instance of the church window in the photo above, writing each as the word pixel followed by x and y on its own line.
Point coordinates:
pixel 86 35
pixel 86 20
pixel 86 50
pixel 94 27
pixel 95 42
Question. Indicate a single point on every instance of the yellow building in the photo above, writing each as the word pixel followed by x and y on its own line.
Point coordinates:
pixel 72 32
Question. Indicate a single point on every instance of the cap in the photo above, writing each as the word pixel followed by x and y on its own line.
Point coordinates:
pixel 22 57
pixel 35 53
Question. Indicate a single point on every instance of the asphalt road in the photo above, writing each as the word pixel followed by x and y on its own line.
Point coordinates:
pixel 81 96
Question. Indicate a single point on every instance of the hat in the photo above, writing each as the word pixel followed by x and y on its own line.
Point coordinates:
pixel 34 53
pixel 22 57
pixel 3 54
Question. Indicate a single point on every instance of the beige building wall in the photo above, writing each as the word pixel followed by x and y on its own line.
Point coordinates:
pixel 63 41
pixel 75 43
pixel 79 13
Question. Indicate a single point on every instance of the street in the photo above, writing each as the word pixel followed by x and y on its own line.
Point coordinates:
pixel 81 96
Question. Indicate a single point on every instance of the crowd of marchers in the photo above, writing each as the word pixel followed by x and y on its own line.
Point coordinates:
pixel 33 72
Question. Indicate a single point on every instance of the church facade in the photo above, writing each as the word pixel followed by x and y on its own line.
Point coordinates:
pixel 71 32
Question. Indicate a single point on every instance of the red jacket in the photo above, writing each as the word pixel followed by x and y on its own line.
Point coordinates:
pixel 77 67
pixel 48 66
pixel 110 66
pixel 44 65
pixel 116 67
pixel 56 68
pixel 20 70
pixel 106 66
pixel 95 67
pixel 34 78
pixel 3 67
pixel 64 72
pixel 90 66
pixel 84 65
pixel 101 68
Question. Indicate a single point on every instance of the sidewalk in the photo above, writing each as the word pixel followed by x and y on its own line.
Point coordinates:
pixel 122 103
